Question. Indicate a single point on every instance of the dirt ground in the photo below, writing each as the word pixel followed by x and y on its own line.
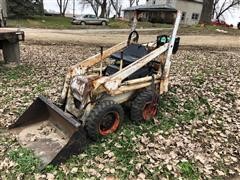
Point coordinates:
pixel 196 134
pixel 109 37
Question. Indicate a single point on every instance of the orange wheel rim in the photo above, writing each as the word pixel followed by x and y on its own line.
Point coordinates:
pixel 109 123
pixel 149 111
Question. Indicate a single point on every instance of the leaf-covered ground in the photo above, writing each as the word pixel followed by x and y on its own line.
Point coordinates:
pixel 195 136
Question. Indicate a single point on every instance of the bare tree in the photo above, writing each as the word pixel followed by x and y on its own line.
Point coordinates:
pixel 94 5
pixel 62 6
pixel 131 2
pixel 215 6
pixel 206 14
pixel 103 5
pixel 109 8
pixel 137 2
pixel 41 7
pixel 117 7
pixel 219 10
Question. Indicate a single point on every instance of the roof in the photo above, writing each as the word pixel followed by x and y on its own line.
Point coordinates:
pixel 150 8
pixel 196 1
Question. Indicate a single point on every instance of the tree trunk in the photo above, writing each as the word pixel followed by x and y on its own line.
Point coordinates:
pixel 65 4
pixel 103 9
pixel 206 15
pixel 119 12
pixel 41 8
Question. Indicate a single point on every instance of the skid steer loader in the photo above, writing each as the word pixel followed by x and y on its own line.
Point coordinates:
pixel 93 94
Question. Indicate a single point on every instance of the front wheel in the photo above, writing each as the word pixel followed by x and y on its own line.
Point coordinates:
pixel 239 25
pixel 104 119
pixel 104 23
pixel 82 23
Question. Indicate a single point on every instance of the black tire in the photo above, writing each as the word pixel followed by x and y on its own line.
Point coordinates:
pixel 104 23
pixel 104 119
pixel 239 25
pixel 144 106
pixel 82 23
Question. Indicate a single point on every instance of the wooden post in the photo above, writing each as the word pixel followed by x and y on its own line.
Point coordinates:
pixel 11 52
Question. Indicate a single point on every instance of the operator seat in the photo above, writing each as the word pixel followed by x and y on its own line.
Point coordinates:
pixel 130 54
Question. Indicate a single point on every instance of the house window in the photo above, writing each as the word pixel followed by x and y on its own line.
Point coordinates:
pixel 195 16
pixel 183 16
pixel 154 2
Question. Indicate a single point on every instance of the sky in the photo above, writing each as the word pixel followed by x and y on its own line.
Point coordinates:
pixel 231 17
pixel 53 6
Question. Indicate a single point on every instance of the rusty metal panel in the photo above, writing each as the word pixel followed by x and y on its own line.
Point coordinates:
pixel 81 68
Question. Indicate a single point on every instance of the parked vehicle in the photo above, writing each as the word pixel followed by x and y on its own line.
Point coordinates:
pixel 89 19
pixel 221 23
pixel 94 94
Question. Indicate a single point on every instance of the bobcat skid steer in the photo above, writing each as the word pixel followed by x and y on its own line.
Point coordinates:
pixel 93 94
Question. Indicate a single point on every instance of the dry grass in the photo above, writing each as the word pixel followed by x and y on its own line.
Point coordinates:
pixel 196 134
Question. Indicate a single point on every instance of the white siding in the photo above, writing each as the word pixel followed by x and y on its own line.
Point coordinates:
pixel 189 8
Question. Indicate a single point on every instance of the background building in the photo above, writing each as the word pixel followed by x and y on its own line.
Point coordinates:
pixel 164 11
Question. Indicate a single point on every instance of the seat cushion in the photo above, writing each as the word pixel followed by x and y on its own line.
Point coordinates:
pixel 111 69
pixel 131 53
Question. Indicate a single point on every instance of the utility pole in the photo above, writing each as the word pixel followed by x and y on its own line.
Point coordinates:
pixel 74 8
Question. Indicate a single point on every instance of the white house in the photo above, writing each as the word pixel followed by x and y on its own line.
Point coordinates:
pixel 161 10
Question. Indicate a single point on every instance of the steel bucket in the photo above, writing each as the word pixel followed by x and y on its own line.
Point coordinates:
pixel 50 133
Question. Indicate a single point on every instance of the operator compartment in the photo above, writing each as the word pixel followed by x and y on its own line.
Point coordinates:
pixel 134 52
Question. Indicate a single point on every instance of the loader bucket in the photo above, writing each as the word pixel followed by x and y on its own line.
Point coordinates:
pixel 50 133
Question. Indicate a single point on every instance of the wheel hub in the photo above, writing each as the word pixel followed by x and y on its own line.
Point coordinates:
pixel 149 111
pixel 109 123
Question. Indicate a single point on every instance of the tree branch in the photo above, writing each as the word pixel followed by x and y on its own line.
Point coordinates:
pixel 223 10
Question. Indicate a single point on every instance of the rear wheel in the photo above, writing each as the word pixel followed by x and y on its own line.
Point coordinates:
pixel 239 25
pixel 104 119
pixel 144 106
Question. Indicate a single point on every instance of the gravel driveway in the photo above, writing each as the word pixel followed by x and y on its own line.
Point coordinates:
pixel 110 36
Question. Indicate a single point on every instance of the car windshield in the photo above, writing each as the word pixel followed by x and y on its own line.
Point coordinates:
pixel 79 17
